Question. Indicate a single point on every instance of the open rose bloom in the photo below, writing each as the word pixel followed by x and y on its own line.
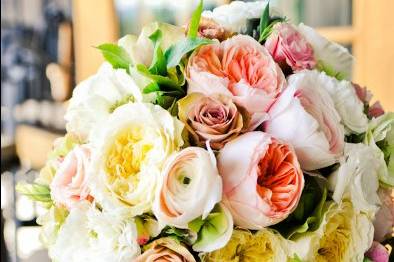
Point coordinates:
pixel 238 67
pixel 262 180
pixel 236 137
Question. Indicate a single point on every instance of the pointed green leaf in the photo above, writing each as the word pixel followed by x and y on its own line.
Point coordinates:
pixel 195 21
pixel 115 55
pixel 35 192
pixel 264 19
pixel 175 53
pixel 158 65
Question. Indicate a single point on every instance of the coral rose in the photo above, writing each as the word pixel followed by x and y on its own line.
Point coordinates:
pixel 70 182
pixel 262 180
pixel 239 67
pixel 288 47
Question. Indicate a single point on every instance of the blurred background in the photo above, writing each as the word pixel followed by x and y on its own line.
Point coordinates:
pixel 47 48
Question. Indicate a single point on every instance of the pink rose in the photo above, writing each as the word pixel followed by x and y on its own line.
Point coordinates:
pixel 69 184
pixel 238 67
pixel 377 253
pixel 305 117
pixel 288 47
pixel 262 180
pixel 365 96
pixel 384 218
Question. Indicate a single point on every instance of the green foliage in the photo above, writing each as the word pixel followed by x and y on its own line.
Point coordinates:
pixel 36 192
pixel 176 52
pixel 309 212
pixel 115 55
pixel 158 65
pixel 195 21
pixel 267 23
pixel 329 70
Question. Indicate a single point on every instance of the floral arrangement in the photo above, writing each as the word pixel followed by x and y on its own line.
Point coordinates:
pixel 238 137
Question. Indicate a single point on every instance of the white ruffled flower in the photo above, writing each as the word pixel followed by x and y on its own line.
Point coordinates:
pixel 332 55
pixel 344 235
pixel 345 100
pixel 91 235
pixel 357 178
pixel 136 140
pixel 95 98
pixel 190 187
pixel 234 16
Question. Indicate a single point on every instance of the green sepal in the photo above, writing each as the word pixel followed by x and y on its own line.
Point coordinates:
pixel 117 56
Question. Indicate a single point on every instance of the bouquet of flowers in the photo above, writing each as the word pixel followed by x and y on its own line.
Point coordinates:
pixel 238 137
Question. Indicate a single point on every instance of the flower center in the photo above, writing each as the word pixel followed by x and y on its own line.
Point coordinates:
pixel 277 176
pixel 125 158
pixel 335 241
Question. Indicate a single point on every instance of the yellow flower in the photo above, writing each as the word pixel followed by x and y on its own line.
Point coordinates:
pixel 344 235
pixel 244 246
pixel 129 155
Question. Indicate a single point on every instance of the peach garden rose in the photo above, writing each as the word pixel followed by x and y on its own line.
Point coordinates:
pixel 238 67
pixel 70 182
pixel 262 180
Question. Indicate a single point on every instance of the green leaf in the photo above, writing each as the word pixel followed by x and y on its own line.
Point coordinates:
pixel 309 212
pixel 264 20
pixel 160 80
pixel 195 21
pixel 35 192
pixel 152 87
pixel 115 55
pixel 366 259
pixel 211 228
pixel 329 70
pixel 158 65
pixel 295 258
pixel 175 53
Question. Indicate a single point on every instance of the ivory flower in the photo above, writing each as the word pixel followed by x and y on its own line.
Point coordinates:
pixel 95 98
pixel 92 235
pixel 357 178
pixel 190 187
pixel 305 116
pixel 136 140
pixel 262 180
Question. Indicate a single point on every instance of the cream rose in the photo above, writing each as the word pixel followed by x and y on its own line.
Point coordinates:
pixel 70 183
pixel 238 67
pixel 262 180
pixel 190 187
pixel 305 116
pixel 166 249
pixel 136 140
pixel 211 118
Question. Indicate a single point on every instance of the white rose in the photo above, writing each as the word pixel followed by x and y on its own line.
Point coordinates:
pixel 95 98
pixel 136 140
pixel 235 15
pixel 357 178
pixel 344 235
pixel 190 187
pixel 332 55
pixel 91 235
pixel 305 117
